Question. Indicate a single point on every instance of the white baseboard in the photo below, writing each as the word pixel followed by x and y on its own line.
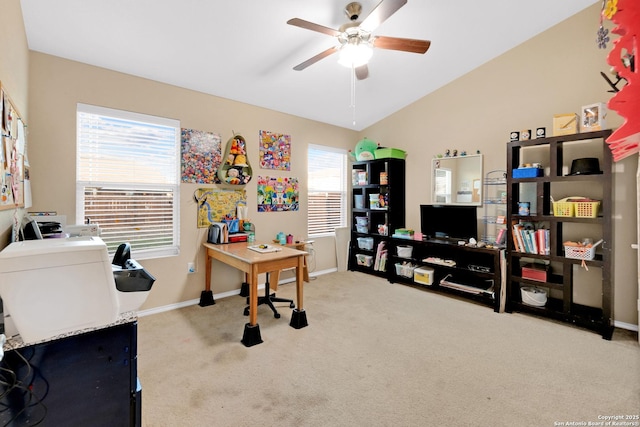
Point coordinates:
pixel 221 295
pixel 623 325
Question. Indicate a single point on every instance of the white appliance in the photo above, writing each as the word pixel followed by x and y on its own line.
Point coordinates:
pixel 51 287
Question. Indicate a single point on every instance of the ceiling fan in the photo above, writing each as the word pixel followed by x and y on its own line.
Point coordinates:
pixel 355 38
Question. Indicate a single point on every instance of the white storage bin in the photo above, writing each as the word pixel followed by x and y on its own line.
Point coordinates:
pixel 405 251
pixel 365 243
pixel 423 275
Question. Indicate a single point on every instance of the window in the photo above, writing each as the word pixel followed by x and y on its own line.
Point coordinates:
pixel 128 179
pixel 327 186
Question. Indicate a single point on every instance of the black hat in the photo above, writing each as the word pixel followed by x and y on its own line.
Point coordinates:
pixel 585 166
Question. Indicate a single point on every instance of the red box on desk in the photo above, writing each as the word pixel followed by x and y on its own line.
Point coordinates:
pixel 537 272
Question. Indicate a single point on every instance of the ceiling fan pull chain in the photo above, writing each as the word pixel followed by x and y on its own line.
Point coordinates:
pixel 353 93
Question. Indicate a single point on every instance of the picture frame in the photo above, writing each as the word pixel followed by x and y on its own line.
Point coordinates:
pixel 592 117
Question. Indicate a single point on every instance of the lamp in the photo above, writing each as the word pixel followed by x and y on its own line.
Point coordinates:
pixel 356 48
pixel 353 55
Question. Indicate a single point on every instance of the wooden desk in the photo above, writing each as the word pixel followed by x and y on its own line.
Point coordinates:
pixel 253 263
pixel 300 246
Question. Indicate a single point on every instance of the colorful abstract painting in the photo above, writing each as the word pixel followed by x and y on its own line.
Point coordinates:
pixel 278 194
pixel 275 151
pixel 201 155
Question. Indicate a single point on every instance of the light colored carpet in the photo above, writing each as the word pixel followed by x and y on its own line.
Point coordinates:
pixel 379 354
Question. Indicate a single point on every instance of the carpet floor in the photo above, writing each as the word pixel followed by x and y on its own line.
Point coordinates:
pixel 380 354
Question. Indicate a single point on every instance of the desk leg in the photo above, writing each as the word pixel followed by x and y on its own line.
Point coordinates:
pixel 251 335
pixel 206 297
pixel 299 316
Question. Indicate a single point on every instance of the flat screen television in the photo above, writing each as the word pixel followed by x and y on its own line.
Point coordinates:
pixel 453 222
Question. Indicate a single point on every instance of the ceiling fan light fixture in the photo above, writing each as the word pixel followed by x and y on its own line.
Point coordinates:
pixel 353 55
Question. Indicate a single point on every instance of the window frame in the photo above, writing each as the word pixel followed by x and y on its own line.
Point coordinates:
pixel 172 185
pixel 343 191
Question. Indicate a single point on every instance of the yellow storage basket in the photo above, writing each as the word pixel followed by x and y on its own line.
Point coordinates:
pixel 580 207
pixel 563 208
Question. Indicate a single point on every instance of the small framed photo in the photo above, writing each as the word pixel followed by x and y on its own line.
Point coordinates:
pixel 593 117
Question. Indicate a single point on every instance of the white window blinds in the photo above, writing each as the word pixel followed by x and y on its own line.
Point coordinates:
pixel 327 185
pixel 128 178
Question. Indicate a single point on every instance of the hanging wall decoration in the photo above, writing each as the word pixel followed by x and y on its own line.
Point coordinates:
pixel 277 194
pixel 214 204
pixel 275 151
pixel 201 154
pixel 625 14
pixel 235 169
pixel 12 154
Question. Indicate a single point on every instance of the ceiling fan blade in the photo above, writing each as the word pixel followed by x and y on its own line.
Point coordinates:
pixel 313 27
pixel 380 13
pixel 362 72
pixel 396 43
pixel 315 59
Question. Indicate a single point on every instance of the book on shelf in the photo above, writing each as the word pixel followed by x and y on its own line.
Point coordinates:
pixel 380 263
pixel 528 239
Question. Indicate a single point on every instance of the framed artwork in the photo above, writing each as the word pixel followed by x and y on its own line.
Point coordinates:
pixel 275 151
pixel 278 194
pixel 201 156
pixel 593 117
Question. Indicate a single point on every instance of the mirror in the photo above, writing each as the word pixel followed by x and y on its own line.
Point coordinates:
pixel 457 180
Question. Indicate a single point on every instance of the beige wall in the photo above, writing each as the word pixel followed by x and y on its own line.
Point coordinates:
pixel 14 64
pixel 57 85
pixel 555 72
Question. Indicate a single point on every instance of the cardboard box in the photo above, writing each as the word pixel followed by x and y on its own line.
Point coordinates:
pixel 537 272
pixel 565 124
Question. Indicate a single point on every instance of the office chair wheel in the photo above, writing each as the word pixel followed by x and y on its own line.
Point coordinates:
pixel 246 311
pixel 276 315
pixel 292 305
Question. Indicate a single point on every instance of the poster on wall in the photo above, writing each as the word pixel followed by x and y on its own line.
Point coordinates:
pixel 275 151
pixel 201 155
pixel 214 204
pixel 277 194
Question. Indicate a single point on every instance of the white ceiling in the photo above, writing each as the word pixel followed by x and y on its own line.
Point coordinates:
pixel 244 50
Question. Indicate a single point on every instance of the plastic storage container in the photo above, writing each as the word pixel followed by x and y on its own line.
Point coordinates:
pixel 365 243
pixel 365 260
pixel 423 275
pixel 405 270
pixel 405 251
pixel 362 220
pixel 386 153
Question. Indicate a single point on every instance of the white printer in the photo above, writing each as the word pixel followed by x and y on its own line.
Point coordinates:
pixel 50 287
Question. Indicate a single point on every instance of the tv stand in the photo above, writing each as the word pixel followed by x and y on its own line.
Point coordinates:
pixel 465 271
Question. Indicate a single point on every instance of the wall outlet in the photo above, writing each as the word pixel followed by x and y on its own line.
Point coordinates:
pixel 191 268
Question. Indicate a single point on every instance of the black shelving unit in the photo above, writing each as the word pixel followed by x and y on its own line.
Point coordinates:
pixel 385 178
pixel 472 273
pixel 560 282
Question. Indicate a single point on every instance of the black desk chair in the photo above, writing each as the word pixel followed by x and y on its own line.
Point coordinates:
pixel 269 299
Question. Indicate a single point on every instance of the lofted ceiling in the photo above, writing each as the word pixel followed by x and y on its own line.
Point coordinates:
pixel 244 50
